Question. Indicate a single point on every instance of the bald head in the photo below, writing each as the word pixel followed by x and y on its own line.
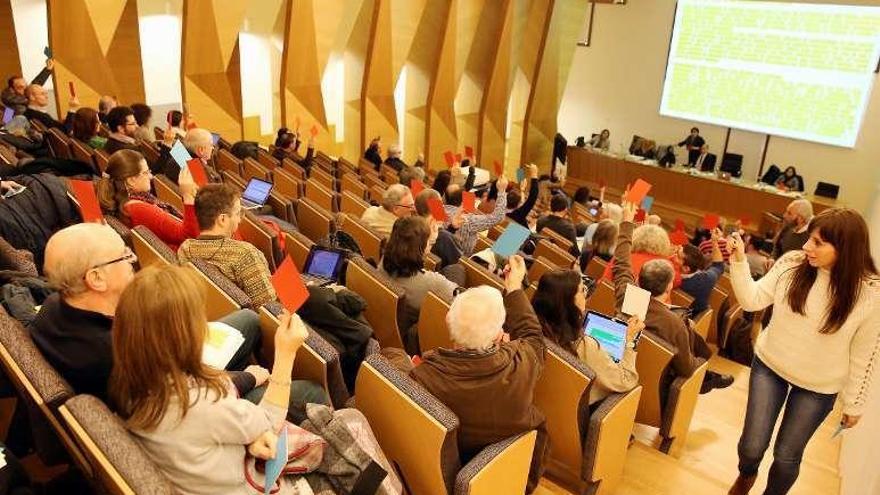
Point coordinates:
pixel 106 103
pixel 799 212
pixel 73 251
pixel 199 142
pixel 37 95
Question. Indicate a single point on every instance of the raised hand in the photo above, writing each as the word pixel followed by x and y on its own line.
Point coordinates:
pixel 264 446
pixel 736 246
pixel 515 273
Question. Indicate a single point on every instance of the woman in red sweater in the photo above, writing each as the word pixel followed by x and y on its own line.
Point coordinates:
pixel 124 192
pixel 651 242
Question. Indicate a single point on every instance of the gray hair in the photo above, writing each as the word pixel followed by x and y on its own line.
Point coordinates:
pixel 651 239
pixel 394 150
pixel 421 201
pixel 407 175
pixel 613 212
pixel 655 276
pixel 802 208
pixel 197 137
pixel 393 195
pixel 476 317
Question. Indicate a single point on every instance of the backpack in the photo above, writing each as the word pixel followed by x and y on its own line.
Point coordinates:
pixel 21 293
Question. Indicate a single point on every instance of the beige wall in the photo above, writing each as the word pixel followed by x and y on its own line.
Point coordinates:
pixel 616 83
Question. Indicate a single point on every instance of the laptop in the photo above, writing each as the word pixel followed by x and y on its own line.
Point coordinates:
pixel 323 266
pixel 609 332
pixel 8 114
pixel 255 194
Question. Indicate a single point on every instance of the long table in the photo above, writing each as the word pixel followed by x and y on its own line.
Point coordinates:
pixel 679 192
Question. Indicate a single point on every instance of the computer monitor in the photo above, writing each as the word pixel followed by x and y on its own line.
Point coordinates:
pixel 732 163
pixel 827 190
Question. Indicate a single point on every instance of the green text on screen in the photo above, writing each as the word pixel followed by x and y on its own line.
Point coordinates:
pixel 797 70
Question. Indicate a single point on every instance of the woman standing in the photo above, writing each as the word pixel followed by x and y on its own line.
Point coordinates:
pixel 823 340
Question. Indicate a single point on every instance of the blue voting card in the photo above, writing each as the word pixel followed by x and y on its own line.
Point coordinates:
pixel 510 240
pixel 520 175
pixel 647 203
pixel 275 465
pixel 179 153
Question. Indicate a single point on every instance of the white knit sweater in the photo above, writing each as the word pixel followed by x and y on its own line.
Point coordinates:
pixel 792 346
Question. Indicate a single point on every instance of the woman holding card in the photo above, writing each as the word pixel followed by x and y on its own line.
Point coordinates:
pixel 185 414
pixel 124 192
pixel 561 304
pixel 823 340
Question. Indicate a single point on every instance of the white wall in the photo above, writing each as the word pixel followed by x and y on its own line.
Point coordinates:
pixel 160 32
pixel 616 83
pixel 32 35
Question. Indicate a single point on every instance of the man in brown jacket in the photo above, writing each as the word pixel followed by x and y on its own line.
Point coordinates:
pixel 669 322
pixel 487 379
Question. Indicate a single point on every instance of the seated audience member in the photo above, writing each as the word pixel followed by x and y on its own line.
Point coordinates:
pixel 694 142
pixel 397 202
pixel 38 102
pixel 707 245
pixel 441 182
pixel 91 266
pixel 86 127
pixel 653 220
pixel 608 211
pixel 122 126
pixel 698 280
pixel 602 243
pixel 286 143
pixel 124 192
pixel 185 414
pixel 373 153
pixel 394 158
pixel 649 242
pixel 200 144
pixel 218 211
pixel 483 364
pixel 790 180
pixel 105 104
pixel 583 198
pixel 445 247
pixel 670 323
pixel 408 174
pixel 667 157
pixel 142 115
pixel 645 149
pixel 794 233
pixel 517 210
pixel 403 261
pixel 558 220
pixel 758 261
pixel 561 305
pixel 546 190
pixel 175 124
pixel 13 95
pixel 474 223
pixel 245 149
pixel 601 141
pixel 705 161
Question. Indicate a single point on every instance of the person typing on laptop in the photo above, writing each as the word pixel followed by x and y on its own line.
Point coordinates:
pixel 255 194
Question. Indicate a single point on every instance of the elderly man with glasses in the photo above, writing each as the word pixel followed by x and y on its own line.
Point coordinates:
pixel 91 266
pixel 397 202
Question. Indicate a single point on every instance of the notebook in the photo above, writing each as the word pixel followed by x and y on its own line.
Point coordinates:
pixel 609 332
pixel 221 344
pixel 255 194
pixel 322 266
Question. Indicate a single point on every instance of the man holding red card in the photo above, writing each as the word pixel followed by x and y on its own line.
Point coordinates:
pixel 473 222
pixel 397 202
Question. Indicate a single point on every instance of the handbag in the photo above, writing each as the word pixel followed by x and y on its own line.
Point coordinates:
pixel 305 450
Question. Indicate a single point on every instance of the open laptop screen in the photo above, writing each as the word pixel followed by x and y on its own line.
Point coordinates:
pixel 324 263
pixel 257 191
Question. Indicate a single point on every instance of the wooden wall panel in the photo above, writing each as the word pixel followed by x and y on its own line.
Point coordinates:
pixel 265 22
pixel 551 74
pixel 210 64
pixel 9 60
pixel 96 44
pixel 440 124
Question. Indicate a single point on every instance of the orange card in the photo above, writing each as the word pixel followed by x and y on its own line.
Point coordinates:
pixel 291 290
pixel 469 201
pixel 679 224
pixel 72 89
pixel 458 157
pixel 711 220
pixel 745 221
pixel 498 168
pixel 84 191
pixel 601 183
pixel 469 152
pixel 416 186
pixel 437 210
pixel 314 130
pixel 638 191
pixel 449 157
pixel 200 177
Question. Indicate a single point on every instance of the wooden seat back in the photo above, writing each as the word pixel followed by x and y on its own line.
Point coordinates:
pixel 554 254
pixel 312 219
pixel 382 301
pixel 652 358
pixel 476 275
pixel 433 332
pixel 321 195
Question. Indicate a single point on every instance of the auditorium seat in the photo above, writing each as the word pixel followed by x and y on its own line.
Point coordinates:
pixel 559 257
pixel 222 296
pixel 476 275
pixel 297 246
pixel 286 183
pixel 432 261
pixel 324 178
pixel 312 219
pixel 251 168
pixel 324 161
pixel 344 167
pixel 482 244
pixel 352 204
pixel 496 230
pixel 267 160
pixel 294 169
pixel 101 160
pixel 673 419
pixel 58 145
pixel 255 232
pixel 540 266
pixel 557 240
pixel 375 194
pixel 588 451
pixel 351 184
pixel 602 300
pixel 389 175
pixel 731 318
pixel 370 242
pixel 149 249
pixel 366 167
pixel 81 152
pixel 418 434
pixel 681 298
pixel 119 464
pixel 226 161
pixel 384 299
pixel 702 322
pixel 167 192
pixel 596 267
pixel 321 195
pixel 316 361
pixel 718 304
pixel 120 228
pixel 433 332
pixel 42 389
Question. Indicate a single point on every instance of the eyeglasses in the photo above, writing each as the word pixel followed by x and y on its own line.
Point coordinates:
pixel 410 207
pixel 127 256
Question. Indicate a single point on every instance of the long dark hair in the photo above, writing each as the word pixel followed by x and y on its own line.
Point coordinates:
pixel 554 304
pixel 846 230
pixel 404 254
pixel 441 182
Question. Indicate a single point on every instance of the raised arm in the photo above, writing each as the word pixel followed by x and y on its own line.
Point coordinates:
pixel 622 269
pixel 756 295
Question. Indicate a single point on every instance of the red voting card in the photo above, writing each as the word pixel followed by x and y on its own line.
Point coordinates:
pixel 314 130
pixel 458 157
pixel 679 238
pixel 745 221
pixel 499 170
pixel 290 288
pixel 437 210
pixel 449 157
pixel 710 221
pixel 84 191
pixel 72 89
pixel 469 201
pixel 416 187
pixel 601 183
pixel 640 216
pixel 638 191
pixel 200 177
pixel 469 152
pixel 679 225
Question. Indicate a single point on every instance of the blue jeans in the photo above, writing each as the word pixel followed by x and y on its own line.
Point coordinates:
pixel 804 413
pixel 248 323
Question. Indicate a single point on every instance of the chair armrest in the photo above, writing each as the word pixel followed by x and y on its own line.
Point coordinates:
pixel 503 466
pixel 608 434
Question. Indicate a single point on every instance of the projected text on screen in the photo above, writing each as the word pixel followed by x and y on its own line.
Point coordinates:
pixel 797 70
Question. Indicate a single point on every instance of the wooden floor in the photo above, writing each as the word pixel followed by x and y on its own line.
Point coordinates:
pixel 707 462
